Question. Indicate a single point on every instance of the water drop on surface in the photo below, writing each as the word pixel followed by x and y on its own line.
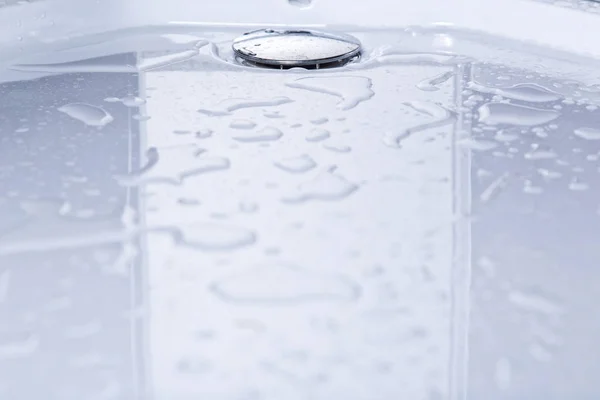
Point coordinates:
pixel 540 153
pixel 502 136
pixel 184 201
pixel 588 133
pixel 511 114
pixel 215 237
pixel 317 135
pixel 141 117
pixel 431 84
pixel 351 90
pixel 248 207
pixel 530 188
pixel 132 101
pixel 577 186
pixel 319 121
pixel 87 113
pixel 267 134
pixel 169 169
pixel 337 148
pixel 327 186
pixel 529 92
pixel 494 188
pixel 274 114
pixel 298 164
pixel 242 124
pixel 300 3
pixel 441 116
pixel 548 174
pixel 204 133
pixel 229 105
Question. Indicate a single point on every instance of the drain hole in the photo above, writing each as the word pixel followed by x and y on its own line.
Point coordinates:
pixel 287 49
pixel 329 65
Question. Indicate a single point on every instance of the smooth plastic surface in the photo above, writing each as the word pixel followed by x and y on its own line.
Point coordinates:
pixel 421 223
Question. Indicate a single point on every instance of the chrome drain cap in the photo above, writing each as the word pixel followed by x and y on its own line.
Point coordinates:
pixel 296 48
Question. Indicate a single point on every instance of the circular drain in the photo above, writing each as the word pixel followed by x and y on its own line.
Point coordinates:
pixel 296 48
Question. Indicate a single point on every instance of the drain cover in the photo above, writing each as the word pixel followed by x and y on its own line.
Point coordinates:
pixel 296 48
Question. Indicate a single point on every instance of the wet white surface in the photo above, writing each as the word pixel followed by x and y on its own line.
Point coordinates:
pixel 418 224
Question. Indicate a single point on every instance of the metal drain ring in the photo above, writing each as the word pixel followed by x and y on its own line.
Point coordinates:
pixel 296 48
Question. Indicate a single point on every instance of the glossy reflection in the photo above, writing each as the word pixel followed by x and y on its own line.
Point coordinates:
pixel 416 225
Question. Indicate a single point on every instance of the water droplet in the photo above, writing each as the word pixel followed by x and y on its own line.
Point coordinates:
pixel 141 117
pixel 132 101
pixel 578 186
pixel 511 114
pixel 204 133
pixel 294 285
pixel 298 164
pixel 319 121
pixel 172 166
pixel 88 114
pixel 300 3
pixel 440 114
pixel 431 84
pixel 337 147
pixel 352 90
pixel 502 136
pixel 248 207
pixel 494 188
pixel 539 152
pixel 529 92
pixel 242 124
pixel 214 237
pixel 266 134
pixel 318 135
pixel 229 105
pixel 189 202
pixel 274 114
pixel 588 133
pixel 530 188
pixel 327 186
pixel 547 174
